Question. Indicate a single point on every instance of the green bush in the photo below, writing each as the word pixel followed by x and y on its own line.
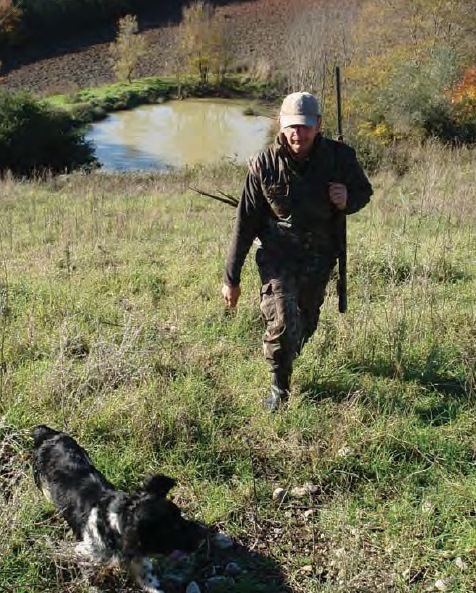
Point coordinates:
pixel 418 101
pixel 453 123
pixel 375 155
pixel 416 90
pixel 35 139
pixel 414 105
pixel 369 151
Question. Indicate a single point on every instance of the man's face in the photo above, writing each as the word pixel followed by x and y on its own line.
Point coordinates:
pixel 300 138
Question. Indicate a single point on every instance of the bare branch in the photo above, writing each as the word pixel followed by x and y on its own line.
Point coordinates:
pixel 226 199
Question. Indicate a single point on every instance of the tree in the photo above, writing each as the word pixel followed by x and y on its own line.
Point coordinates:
pixel 317 41
pixel 222 49
pixel 128 49
pixel 204 46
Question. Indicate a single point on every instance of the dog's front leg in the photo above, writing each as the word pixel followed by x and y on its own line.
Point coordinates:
pixel 145 575
pixel 92 545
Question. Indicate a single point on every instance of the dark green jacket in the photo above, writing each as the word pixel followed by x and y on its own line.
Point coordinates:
pixel 286 205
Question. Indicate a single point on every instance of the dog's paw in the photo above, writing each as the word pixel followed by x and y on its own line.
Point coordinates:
pixel 145 575
pixel 82 551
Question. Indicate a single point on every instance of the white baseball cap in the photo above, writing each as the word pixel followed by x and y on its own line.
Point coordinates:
pixel 299 109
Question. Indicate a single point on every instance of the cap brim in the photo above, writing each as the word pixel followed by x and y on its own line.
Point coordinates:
pixel 297 120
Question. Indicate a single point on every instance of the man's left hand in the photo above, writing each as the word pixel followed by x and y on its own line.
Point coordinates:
pixel 338 195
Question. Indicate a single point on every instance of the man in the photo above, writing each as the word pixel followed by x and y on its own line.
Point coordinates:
pixel 292 197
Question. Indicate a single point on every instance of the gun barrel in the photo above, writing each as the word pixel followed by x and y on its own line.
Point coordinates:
pixel 341 218
pixel 339 106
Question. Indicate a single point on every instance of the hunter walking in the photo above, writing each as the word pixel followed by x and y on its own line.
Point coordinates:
pixel 294 192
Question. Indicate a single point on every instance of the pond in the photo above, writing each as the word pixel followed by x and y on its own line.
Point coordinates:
pixel 178 133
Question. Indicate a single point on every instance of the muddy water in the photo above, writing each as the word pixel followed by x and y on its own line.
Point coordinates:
pixel 176 134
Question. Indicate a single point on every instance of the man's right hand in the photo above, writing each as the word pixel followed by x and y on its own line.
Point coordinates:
pixel 231 294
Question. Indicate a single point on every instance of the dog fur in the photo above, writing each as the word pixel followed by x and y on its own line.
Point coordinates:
pixel 109 524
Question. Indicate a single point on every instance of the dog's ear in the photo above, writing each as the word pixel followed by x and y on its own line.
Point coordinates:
pixel 41 433
pixel 159 485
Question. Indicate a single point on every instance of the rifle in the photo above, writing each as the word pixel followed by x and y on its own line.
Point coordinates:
pixel 341 218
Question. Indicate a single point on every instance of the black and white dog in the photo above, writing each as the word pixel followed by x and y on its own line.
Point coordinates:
pixel 111 525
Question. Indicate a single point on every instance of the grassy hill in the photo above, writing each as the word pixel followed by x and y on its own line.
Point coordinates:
pixel 113 328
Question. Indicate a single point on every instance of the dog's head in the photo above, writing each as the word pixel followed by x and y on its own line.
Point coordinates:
pixel 154 525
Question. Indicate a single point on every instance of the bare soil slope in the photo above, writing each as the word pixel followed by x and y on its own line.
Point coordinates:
pixel 257 27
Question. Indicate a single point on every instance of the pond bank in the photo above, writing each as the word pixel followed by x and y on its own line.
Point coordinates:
pixel 92 105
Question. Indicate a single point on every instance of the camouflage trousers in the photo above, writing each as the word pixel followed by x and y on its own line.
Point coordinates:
pixel 290 303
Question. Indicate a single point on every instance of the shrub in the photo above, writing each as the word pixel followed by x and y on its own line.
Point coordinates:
pixel 419 99
pixel 453 123
pixel 369 150
pixel 454 120
pixel 35 139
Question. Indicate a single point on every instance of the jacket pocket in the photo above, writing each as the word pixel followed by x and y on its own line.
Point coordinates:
pixel 277 195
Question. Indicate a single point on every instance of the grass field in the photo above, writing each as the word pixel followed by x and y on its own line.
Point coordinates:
pixel 113 328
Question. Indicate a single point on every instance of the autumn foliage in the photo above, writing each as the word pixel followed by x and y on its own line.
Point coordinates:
pixel 464 91
pixel 10 22
pixel 411 75
pixel 128 49
pixel 203 47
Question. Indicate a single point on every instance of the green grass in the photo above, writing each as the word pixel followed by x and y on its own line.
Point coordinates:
pixel 93 104
pixel 113 328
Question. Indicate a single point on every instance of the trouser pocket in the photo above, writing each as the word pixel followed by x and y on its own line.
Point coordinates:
pixel 279 309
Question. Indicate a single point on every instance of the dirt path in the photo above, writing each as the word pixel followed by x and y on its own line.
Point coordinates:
pixel 257 27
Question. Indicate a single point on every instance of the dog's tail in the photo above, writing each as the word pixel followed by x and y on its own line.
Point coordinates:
pixel 41 433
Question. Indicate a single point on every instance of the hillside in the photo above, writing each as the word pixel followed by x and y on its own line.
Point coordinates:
pixel 256 27
pixel 113 327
